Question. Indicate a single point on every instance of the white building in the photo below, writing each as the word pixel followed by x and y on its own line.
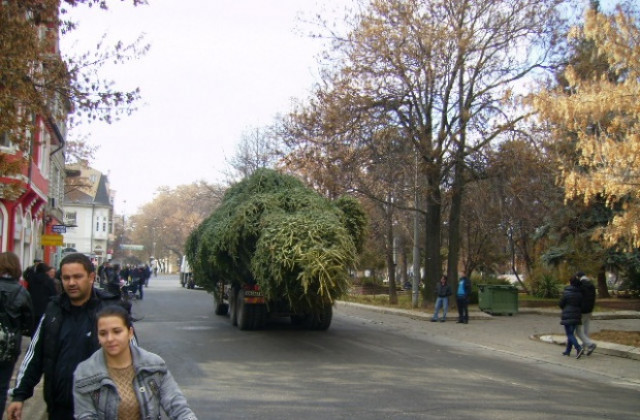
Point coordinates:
pixel 88 205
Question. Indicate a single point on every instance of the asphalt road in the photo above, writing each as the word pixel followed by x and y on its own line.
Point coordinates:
pixel 363 367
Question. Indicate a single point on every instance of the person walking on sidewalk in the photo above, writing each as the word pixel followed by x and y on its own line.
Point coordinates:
pixel 443 291
pixel 16 319
pixel 588 291
pixel 571 303
pixel 462 299
pixel 65 336
pixel 42 288
pixel 124 381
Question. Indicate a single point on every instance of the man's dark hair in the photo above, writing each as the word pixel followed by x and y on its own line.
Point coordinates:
pixel 79 259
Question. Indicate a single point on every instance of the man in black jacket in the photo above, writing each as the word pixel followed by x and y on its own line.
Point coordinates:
pixel 30 271
pixel 65 336
pixel 588 291
pixel 443 291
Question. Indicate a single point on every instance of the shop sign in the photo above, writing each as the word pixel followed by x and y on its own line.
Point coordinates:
pixel 52 240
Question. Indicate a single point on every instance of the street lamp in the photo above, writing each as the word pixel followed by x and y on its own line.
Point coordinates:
pixel 153 227
pixel 154 243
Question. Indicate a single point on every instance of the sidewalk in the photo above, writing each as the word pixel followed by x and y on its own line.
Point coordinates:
pixel 537 324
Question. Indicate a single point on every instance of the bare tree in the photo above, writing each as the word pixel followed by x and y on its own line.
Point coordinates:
pixel 441 73
pixel 164 224
pixel 257 149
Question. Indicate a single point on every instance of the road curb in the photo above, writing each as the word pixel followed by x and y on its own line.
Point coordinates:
pixel 610 349
pixel 473 315
pixel 602 316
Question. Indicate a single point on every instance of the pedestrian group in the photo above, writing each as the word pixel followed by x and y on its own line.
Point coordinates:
pixel 82 342
pixel 577 303
pixel 443 291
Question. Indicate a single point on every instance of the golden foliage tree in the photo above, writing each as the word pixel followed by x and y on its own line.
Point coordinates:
pixel 166 222
pixel 603 112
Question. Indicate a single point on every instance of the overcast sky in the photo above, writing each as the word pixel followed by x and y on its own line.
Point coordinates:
pixel 216 69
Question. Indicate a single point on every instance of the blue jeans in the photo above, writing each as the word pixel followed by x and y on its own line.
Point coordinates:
pixel 572 341
pixel 441 302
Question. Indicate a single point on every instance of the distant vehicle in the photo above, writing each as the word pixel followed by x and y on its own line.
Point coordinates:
pixel 186 275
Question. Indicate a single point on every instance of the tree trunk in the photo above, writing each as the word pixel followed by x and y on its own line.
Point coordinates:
pixel 457 189
pixel 603 289
pixel 415 286
pixel 433 261
pixel 391 263
pixel 512 250
pixel 404 264
pixel 454 224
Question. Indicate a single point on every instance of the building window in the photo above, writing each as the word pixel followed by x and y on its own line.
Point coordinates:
pixel 43 149
pixel 5 141
pixel 97 225
pixel 104 226
pixel 71 218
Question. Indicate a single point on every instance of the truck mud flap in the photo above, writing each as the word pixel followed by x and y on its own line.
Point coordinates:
pixel 249 316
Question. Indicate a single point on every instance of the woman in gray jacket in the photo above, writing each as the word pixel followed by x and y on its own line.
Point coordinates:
pixel 123 381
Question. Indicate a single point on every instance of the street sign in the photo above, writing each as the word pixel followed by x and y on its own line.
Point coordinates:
pixel 52 240
pixel 59 228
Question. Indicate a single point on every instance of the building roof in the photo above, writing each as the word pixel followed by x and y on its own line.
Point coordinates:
pixel 91 187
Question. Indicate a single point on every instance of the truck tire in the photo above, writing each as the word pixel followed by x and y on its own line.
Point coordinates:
pixel 219 308
pixel 259 316
pixel 322 320
pixel 244 320
pixel 250 316
pixel 233 307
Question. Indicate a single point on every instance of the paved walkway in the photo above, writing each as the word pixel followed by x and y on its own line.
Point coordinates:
pixel 528 334
pixel 619 321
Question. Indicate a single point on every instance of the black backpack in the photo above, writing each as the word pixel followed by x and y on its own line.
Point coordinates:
pixel 10 333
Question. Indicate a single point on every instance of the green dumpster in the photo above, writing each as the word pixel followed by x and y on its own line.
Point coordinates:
pixel 498 299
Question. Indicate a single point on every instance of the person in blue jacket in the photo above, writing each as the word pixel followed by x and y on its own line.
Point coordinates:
pixel 462 299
